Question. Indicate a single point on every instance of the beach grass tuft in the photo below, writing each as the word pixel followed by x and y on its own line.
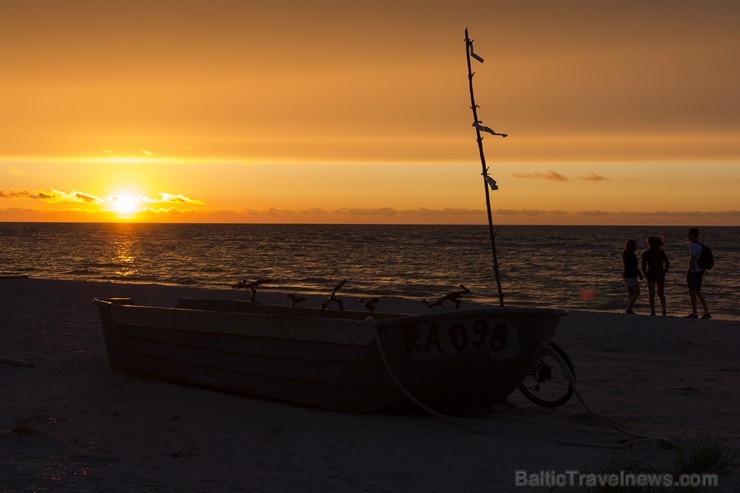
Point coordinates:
pixel 699 459
pixel 628 462
pixel 710 454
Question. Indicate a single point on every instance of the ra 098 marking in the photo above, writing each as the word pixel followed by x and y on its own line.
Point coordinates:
pixel 457 337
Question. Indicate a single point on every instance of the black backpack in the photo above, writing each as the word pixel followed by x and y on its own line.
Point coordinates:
pixel 706 259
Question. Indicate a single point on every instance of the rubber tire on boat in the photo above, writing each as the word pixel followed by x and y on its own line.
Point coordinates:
pixel 549 363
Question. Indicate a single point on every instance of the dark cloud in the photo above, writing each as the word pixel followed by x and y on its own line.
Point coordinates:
pixel 279 212
pixel 315 211
pixel 52 196
pixel 550 175
pixel 593 177
pixel 449 211
pixel 355 211
pixel 86 197
pixel 165 198
pixel 687 214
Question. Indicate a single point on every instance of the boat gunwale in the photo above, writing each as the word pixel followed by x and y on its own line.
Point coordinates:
pixel 353 330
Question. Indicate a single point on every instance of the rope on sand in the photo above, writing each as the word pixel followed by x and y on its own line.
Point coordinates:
pixel 549 351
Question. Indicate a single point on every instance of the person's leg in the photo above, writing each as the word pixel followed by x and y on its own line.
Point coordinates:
pixel 629 293
pixel 634 293
pixel 698 278
pixel 637 293
pixel 691 281
pixel 661 295
pixel 703 302
pixel 651 296
pixel 692 295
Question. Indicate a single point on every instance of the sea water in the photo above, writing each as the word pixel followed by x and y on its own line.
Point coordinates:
pixel 577 267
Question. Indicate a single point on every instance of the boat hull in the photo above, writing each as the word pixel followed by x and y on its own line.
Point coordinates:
pixel 343 361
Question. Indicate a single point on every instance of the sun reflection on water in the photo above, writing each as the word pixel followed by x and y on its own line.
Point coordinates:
pixel 124 257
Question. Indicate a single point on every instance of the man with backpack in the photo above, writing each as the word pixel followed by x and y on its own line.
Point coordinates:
pixel 696 273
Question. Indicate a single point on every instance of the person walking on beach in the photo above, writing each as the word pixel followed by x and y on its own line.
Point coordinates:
pixel 655 265
pixel 631 273
pixel 695 275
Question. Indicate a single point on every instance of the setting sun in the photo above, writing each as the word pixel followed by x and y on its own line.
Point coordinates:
pixel 125 205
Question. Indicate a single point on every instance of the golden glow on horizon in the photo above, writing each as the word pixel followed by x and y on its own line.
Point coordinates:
pixel 530 193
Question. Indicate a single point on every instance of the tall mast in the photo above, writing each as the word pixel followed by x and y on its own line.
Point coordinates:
pixel 487 180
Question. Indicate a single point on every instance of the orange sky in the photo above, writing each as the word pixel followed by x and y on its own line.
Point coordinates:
pixel 207 111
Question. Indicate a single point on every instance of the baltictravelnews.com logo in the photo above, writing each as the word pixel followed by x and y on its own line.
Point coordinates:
pixel 572 478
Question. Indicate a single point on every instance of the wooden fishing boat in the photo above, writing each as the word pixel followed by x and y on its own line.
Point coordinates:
pixel 339 360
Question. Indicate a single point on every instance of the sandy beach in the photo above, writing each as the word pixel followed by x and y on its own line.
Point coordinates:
pixel 68 422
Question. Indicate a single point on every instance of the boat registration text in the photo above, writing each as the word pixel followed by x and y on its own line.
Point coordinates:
pixel 496 337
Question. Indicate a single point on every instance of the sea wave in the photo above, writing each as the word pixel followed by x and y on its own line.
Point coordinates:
pixel 559 266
